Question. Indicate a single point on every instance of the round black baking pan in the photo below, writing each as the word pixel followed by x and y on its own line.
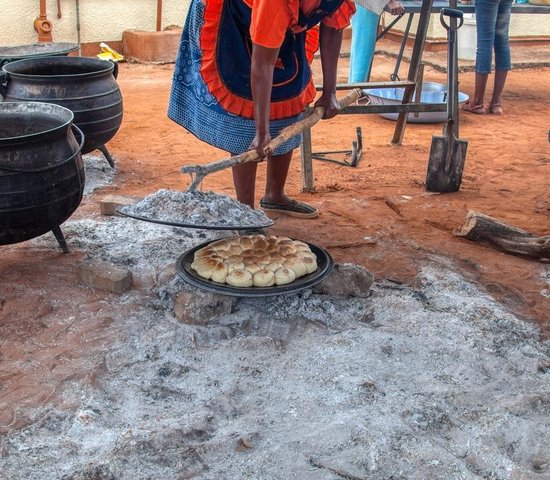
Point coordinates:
pixel 184 271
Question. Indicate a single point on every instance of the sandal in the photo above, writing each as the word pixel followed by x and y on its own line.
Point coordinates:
pixel 292 208
pixel 477 109
pixel 495 109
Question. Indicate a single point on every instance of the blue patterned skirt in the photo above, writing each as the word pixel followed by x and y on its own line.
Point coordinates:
pixel 193 106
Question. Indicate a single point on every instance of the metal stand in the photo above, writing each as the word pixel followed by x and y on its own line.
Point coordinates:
pixel 404 109
pixel 355 152
pixel 107 155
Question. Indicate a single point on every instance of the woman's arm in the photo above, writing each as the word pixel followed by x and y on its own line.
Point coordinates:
pixel 261 77
pixel 330 43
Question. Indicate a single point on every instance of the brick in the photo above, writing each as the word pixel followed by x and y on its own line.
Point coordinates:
pixel 201 308
pixel 346 279
pixel 146 46
pixel 105 276
pixel 110 203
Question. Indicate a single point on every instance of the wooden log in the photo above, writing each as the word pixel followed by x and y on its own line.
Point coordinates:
pixel 489 231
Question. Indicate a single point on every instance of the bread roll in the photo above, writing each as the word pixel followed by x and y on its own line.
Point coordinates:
pixel 205 266
pixel 264 278
pixel 276 257
pixel 235 250
pixel 273 266
pixel 260 243
pixel 287 250
pixel 204 252
pixel 310 261
pixel 234 262
pixel 246 242
pixel 251 267
pixel 307 254
pixel 248 253
pixel 272 249
pixel 262 260
pixel 235 266
pixel 301 246
pixel 284 276
pixel 284 242
pixel 296 265
pixel 239 278
pixel 222 244
pixel 219 273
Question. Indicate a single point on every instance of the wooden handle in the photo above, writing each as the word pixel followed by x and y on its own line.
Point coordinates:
pixel 286 134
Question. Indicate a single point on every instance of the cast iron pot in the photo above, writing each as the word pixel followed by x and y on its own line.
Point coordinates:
pixel 86 86
pixel 41 170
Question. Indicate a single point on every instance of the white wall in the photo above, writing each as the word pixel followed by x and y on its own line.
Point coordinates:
pixel 100 20
pixel 104 20
pixel 523 26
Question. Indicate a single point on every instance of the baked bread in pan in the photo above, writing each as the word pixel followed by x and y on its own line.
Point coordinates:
pixel 254 260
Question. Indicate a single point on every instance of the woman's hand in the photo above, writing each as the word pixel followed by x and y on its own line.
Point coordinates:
pixel 259 143
pixel 394 7
pixel 330 102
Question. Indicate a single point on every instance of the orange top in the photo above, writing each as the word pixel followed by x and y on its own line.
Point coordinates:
pixel 272 18
pixel 269 23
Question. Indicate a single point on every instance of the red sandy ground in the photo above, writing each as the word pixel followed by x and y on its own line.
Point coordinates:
pixel 377 215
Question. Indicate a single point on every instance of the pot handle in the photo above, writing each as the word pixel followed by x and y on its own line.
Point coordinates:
pixel 81 143
pixel 77 130
pixel 115 69
pixel 4 78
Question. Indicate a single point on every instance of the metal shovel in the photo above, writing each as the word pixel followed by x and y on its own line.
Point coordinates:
pixel 448 153
pixel 198 172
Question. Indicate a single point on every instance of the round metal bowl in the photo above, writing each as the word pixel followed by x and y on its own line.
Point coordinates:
pixel 185 272
pixel 431 93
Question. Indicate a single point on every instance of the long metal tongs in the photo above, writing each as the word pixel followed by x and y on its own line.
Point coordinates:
pixel 198 172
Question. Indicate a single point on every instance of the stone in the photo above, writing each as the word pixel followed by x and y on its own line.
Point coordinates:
pixel 346 279
pixel 105 276
pixel 109 203
pixel 144 277
pixel 166 274
pixel 201 308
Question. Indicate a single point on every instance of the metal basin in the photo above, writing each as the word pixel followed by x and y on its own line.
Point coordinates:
pixel 431 93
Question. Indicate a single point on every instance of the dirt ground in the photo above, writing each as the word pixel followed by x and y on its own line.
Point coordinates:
pixel 64 345
pixel 379 214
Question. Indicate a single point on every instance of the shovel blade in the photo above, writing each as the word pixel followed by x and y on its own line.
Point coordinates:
pixel 446 164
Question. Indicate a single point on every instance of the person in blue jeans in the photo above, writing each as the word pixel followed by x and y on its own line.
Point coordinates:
pixel 493 22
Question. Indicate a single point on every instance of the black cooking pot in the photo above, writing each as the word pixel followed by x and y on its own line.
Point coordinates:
pixel 41 170
pixel 86 86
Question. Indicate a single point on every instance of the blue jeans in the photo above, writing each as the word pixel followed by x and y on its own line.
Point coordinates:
pixel 493 22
